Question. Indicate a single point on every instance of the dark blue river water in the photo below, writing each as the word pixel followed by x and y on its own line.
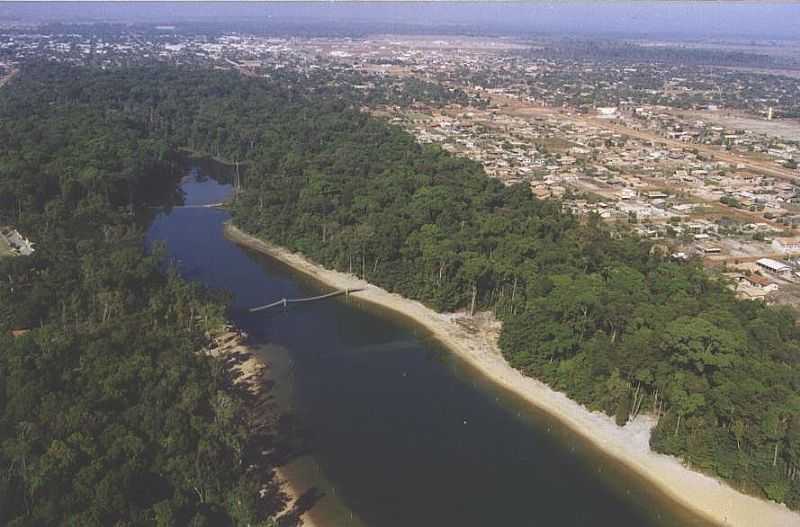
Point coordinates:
pixel 400 432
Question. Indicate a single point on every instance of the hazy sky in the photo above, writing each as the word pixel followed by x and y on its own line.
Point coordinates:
pixel 762 20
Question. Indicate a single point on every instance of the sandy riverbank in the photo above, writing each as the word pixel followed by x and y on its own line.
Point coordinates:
pixel 247 368
pixel 630 444
pixel 294 491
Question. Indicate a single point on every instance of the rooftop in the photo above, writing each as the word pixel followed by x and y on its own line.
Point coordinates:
pixel 773 265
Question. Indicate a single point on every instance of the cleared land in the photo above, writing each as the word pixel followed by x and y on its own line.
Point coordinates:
pixel 784 128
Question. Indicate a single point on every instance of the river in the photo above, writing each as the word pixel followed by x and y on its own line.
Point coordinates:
pixel 399 432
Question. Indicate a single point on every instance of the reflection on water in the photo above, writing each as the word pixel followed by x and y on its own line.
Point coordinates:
pixel 400 431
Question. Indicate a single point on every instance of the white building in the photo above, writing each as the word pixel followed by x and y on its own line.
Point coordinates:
pixel 774 267
pixel 786 245
pixel 607 112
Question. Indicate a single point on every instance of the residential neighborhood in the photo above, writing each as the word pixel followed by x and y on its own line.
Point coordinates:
pixel 703 160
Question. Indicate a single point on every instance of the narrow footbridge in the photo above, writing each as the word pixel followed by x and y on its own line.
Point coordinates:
pixel 286 301
pixel 203 206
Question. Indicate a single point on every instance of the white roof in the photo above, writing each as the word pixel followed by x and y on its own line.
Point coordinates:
pixel 773 265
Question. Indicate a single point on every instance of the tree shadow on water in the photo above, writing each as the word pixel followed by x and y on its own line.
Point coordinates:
pixel 302 504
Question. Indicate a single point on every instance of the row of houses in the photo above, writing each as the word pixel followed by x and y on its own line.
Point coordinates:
pixel 752 286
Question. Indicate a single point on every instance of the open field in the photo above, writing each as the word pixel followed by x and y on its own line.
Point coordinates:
pixel 783 128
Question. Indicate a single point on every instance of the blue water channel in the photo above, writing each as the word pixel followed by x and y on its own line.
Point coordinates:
pixel 398 431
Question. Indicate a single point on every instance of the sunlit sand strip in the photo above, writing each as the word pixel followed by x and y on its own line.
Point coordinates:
pixel 247 368
pixel 630 444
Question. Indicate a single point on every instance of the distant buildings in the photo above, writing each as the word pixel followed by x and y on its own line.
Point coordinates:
pixel 753 287
pixel 608 112
pixel 774 267
pixel 786 245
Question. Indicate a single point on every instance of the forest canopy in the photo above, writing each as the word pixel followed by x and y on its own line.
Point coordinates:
pixel 592 312
pixel 108 413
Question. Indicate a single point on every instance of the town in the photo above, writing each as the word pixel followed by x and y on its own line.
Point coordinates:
pixel 702 159
pixel 400 263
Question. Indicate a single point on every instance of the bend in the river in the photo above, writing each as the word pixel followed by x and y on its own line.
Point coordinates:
pixel 399 431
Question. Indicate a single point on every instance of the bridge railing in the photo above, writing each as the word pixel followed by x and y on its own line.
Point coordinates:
pixel 286 301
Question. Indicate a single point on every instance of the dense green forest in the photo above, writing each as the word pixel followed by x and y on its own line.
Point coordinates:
pixel 594 313
pixel 590 311
pixel 108 413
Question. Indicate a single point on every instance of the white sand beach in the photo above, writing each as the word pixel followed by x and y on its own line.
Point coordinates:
pixel 247 368
pixel 630 444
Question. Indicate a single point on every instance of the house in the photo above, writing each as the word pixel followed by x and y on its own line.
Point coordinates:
pixel 760 282
pixel 701 227
pixel 753 287
pixel 774 267
pixel 750 293
pixel 786 245
pixel 607 112
pixel 684 208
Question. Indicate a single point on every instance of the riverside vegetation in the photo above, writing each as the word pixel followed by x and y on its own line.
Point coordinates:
pixel 109 415
pixel 598 314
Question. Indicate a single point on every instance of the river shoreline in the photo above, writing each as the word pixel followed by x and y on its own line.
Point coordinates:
pixel 702 494
pixel 246 369
pixel 294 491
